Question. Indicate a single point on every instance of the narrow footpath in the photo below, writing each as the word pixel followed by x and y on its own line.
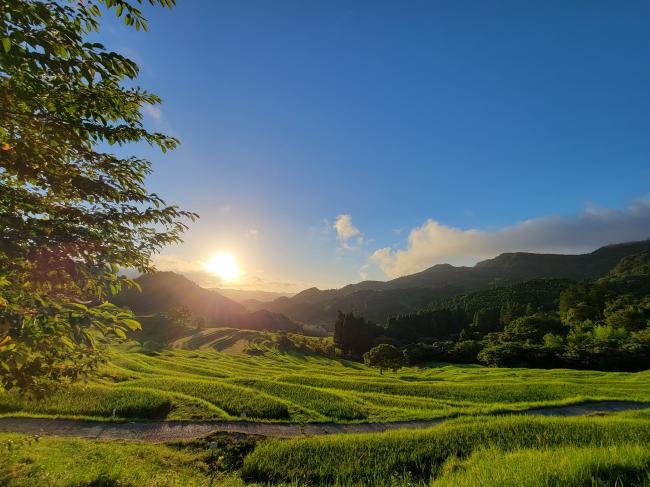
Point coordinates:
pixel 157 431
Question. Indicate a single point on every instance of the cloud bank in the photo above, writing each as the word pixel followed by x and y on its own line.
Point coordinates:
pixel 347 234
pixel 434 243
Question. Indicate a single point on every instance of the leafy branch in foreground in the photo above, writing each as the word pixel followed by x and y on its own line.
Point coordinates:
pixel 71 211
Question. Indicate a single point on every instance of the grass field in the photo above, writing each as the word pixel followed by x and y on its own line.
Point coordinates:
pixel 506 451
pixel 209 384
pixel 55 462
pixel 369 459
pixel 228 384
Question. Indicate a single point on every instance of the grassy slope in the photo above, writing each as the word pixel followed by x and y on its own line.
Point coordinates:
pixel 514 451
pixel 186 384
pixel 56 462
pixel 626 464
pixel 375 459
pixel 207 384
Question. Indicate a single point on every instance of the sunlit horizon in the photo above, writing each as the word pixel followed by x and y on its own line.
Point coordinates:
pixel 386 140
pixel 224 265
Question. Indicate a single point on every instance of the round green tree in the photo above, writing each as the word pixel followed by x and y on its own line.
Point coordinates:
pixel 385 356
pixel 72 211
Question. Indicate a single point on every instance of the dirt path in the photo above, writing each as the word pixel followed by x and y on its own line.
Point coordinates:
pixel 182 430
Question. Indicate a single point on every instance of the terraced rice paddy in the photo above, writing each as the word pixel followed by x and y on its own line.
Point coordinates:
pixel 207 384
pixel 226 384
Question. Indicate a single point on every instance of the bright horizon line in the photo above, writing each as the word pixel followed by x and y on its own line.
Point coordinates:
pixel 232 285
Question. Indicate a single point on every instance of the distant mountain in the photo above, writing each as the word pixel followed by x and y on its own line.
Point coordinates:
pixel 244 295
pixel 378 300
pixel 163 291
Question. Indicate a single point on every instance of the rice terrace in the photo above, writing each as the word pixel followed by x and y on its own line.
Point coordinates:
pixel 360 244
pixel 203 387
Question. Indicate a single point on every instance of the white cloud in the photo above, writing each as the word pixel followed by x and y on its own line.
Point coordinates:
pixel 434 243
pixel 346 233
pixel 253 233
pixel 363 272
pixel 153 111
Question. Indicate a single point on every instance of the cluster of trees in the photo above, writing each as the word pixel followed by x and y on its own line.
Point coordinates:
pixel 307 345
pixel 72 210
pixel 601 324
pixel 355 335
pixel 168 325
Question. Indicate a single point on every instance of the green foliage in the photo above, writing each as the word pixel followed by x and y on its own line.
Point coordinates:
pixel 631 318
pixel 632 265
pixel 540 293
pixel 486 319
pixel 71 212
pixel 601 324
pixel 385 356
pixel 354 335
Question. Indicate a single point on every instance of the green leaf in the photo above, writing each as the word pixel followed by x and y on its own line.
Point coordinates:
pixel 119 332
pixel 6 44
pixel 132 325
pixel 67 342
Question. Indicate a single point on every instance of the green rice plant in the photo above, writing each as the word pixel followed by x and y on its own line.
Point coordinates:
pixel 207 384
pixel 61 462
pixel 93 400
pixel 618 465
pixel 235 400
pixel 419 455
pixel 484 393
pixel 329 404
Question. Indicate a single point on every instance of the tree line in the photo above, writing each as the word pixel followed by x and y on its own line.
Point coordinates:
pixel 599 324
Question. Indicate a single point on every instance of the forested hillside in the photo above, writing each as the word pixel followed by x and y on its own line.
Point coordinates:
pixel 379 300
pixel 169 305
pixel 598 324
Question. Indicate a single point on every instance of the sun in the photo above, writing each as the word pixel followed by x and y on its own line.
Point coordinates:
pixel 223 265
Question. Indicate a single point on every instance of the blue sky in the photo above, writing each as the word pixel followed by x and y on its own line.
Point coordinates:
pixel 473 127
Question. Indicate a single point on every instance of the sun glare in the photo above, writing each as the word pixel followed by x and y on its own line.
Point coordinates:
pixel 223 265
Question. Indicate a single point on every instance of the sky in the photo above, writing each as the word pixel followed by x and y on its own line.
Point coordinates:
pixel 326 142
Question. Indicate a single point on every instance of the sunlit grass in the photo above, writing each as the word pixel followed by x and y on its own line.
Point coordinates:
pixel 374 459
pixel 57 462
pixel 233 400
pixel 207 384
pixel 618 465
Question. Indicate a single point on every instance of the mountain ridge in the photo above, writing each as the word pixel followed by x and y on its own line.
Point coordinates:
pixel 378 300
pixel 164 291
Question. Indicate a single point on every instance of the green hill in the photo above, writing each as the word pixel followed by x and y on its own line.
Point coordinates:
pixel 378 300
pixel 167 292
